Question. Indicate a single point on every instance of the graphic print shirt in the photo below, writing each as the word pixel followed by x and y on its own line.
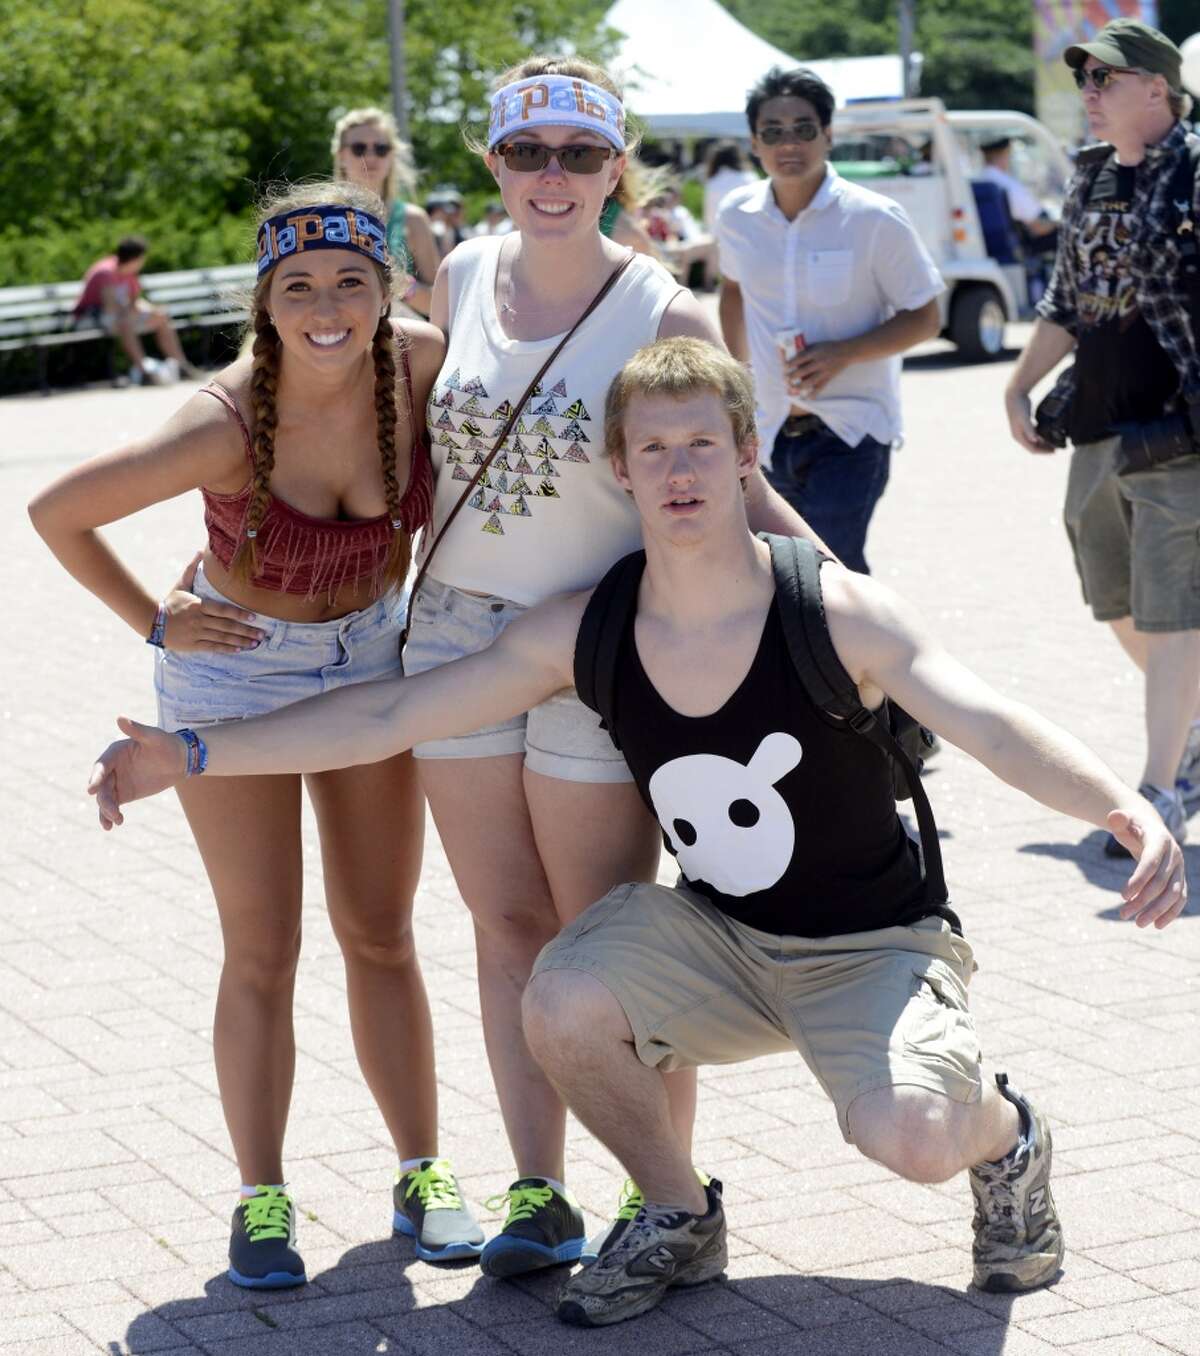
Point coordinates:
pixel 548 516
pixel 1121 370
pixel 783 821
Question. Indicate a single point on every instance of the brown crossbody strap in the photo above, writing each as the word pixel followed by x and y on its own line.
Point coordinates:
pixel 609 284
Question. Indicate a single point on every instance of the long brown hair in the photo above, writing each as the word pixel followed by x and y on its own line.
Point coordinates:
pixel 264 388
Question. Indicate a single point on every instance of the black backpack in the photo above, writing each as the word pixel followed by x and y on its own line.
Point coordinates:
pixel 797 565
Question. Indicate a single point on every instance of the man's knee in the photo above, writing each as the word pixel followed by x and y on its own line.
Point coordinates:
pixel 566 1010
pixel 909 1130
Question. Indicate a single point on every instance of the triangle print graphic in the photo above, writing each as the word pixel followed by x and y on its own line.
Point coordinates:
pixel 472 407
pixel 476 500
pixel 576 411
pixel 474 445
pixel 446 400
pixel 544 425
pixel 575 433
pixel 519 508
pixel 520 486
pixel 547 491
pixel 475 387
pixel 546 449
pixel 560 390
pixel 493 526
pixel 502 411
pixel 547 406
pixel 461 473
pixel 575 453
pixel 445 422
pixel 494 505
pixel 471 427
pixel 545 469
pixel 454 381
pixel 523 467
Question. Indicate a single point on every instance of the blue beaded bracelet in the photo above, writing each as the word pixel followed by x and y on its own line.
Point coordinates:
pixel 197 752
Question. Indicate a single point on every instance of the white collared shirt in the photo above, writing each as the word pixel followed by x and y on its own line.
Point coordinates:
pixel 846 264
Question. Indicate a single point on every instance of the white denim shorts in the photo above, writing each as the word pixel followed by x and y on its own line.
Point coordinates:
pixel 293 661
pixel 560 738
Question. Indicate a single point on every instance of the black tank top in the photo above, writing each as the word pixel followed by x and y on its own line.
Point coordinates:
pixel 783 820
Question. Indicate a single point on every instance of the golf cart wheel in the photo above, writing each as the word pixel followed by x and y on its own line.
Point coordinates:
pixel 977 323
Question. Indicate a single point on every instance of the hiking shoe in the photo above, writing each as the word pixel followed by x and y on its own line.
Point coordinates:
pixel 429 1208
pixel 1187 776
pixel 630 1202
pixel 1169 805
pixel 659 1249
pixel 1018 1239
pixel 262 1246
pixel 544 1228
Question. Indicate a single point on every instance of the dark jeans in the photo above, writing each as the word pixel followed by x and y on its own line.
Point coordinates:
pixel 833 486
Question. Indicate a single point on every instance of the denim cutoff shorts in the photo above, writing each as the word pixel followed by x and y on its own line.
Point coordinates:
pixel 294 660
pixel 560 737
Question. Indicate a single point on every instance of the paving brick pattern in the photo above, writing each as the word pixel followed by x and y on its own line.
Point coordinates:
pixel 115 1175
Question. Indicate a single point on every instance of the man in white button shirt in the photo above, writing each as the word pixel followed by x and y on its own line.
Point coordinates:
pixel 807 252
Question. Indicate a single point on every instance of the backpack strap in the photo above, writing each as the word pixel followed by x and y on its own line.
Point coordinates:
pixel 601 632
pixel 797 568
pixel 1184 193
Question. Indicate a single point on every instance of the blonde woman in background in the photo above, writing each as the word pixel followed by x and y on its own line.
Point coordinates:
pixel 367 150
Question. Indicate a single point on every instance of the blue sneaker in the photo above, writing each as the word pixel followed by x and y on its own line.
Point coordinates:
pixel 428 1207
pixel 1187 775
pixel 262 1246
pixel 544 1228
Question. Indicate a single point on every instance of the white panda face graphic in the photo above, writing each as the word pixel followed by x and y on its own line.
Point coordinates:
pixel 727 824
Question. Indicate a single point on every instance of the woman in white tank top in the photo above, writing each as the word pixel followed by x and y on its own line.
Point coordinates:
pixel 539 817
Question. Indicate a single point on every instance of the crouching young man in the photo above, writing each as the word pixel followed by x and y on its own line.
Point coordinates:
pixel 791 925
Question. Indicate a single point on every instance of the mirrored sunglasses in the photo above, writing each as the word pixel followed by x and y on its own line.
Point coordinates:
pixel 776 136
pixel 528 157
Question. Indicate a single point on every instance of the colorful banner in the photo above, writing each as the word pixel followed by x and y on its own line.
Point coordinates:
pixel 1056 25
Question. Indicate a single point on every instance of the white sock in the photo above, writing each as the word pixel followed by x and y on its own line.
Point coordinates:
pixel 415 1164
pixel 248 1191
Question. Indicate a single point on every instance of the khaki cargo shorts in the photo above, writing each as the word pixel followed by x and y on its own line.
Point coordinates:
pixel 865 1010
pixel 1136 538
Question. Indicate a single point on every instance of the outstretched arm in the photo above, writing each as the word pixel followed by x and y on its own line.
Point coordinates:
pixel 885 647
pixel 362 723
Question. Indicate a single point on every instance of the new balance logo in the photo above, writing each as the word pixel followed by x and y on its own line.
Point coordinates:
pixel 1037 1201
pixel 660 1259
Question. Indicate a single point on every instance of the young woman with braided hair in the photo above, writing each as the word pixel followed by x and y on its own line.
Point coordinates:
pixel 309 454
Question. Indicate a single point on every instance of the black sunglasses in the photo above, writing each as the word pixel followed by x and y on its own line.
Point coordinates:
pixel 529 157
pixel 1100 76
pixel 776 136
pixel 360 148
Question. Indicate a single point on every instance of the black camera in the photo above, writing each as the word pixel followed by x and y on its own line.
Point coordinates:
pixel 1144 446
pixel 1054 409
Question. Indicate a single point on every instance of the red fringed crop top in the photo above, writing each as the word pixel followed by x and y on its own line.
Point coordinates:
pixel 301 554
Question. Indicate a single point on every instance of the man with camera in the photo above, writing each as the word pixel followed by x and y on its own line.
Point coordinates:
pixel 1125 295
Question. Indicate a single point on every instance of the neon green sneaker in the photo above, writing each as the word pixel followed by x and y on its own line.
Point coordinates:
pixel 262 1244
pixel 544 1228
pixel 428 1208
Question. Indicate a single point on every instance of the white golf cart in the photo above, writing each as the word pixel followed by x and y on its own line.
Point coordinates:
pixel 928 159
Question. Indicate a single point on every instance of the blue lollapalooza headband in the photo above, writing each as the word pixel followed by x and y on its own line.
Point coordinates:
pixel 320 228
pixel 556 101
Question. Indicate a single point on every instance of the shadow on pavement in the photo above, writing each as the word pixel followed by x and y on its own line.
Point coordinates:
pixel 945 358
pixel 365 1305
pixel 1110 873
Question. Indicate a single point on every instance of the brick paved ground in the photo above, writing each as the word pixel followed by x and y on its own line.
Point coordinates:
pixel 115 1178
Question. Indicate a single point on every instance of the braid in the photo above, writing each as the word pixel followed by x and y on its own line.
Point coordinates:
pixel 264 383
pixel 400 550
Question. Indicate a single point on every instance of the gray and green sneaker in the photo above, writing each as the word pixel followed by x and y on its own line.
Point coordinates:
pixel 428 1208
pixel 262 1244
pixel 661 1248
pixel 1018 1238
pixel 630 1202
pixel 544 1228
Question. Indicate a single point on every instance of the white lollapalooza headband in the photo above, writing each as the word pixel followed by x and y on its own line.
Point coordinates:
pixel 556 101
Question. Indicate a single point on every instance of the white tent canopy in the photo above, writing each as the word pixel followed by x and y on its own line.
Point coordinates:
pixel 687 65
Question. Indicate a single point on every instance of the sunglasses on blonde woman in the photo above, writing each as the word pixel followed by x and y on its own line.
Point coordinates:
pixel 1100 76
pixel 360 148
pixel 529 157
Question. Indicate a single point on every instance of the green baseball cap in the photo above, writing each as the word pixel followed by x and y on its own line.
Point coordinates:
pixel 1129 42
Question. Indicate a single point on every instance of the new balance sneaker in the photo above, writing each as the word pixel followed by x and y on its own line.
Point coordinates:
pixel 262 1245
pixel 1187 777
pixel 1018 1239
pixel 544 1228
pixel 630 1202
pixel 661 1248
pixel 1169 805
pixel 428 1207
